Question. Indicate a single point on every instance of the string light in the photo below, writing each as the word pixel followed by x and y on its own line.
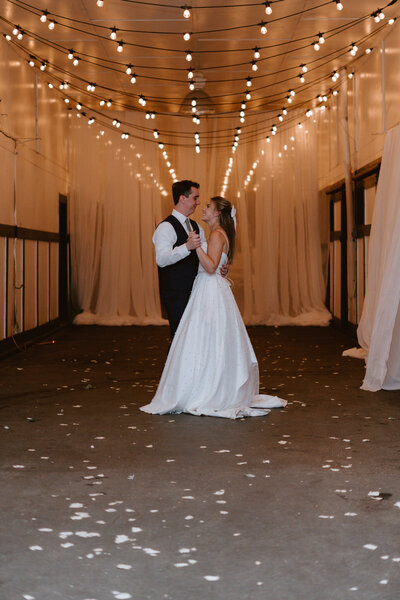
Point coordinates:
pixel 43 18
pixel 263 28
pixel 254 65
pixel 91 121
pixel 321 38
pixel 249 83
pixel 243 106
pixel 128 70
pixel 304 68
pixel 116 123
pixel 188 55
pixel 155 133
pixel 316 46
pixel 309 113
pixel 43 66
pixel 302 78
pixel 268 139
pixel 120 46
pixel 186 12
pixel 17 31
pixel 71 54
pixel 161 145
pixel 51 25
pixel 335 76
pixel 125 136
pixel 100 3
pixel 91 87
pixel 142 100
pixel 257 53
pixel 391 21
pixel 75 62
pixel 339 5
pixel 354 49
pixel 280 118
pixel 268 8
pixel 7 36
pixel 191 86
pixel 190 73
pixel 284 111
pixel 186 36
pixel 79 106
pixel 113 34
pixel 248 96
pixel 350 75
pixel 133 78
pixel 31 62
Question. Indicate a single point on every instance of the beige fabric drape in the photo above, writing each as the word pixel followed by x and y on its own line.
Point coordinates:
pixel 115 207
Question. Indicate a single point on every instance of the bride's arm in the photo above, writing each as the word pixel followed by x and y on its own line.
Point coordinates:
pixel 210 261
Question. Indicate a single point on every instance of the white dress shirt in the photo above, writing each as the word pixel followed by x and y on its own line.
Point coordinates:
pixel 165 237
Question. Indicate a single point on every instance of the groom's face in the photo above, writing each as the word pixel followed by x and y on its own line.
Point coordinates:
pixel 192 201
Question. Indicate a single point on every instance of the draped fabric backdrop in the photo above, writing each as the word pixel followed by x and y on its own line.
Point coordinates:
pixel 115 206
pixel 379 328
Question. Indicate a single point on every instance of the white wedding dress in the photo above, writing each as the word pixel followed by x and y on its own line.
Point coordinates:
pixel 211 368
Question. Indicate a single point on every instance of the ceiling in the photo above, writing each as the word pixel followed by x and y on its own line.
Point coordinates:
pixel 224 34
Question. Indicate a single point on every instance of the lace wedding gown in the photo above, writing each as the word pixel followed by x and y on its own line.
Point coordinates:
pixel 211 368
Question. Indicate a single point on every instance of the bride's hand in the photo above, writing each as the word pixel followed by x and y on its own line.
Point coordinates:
pixel 224 270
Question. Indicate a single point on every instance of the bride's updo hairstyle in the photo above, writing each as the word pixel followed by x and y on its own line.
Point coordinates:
pixel 226 222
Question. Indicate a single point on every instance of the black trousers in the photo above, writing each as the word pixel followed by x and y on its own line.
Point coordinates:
pixel 175 304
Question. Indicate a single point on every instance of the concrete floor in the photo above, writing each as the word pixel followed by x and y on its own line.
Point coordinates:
pixel 100 501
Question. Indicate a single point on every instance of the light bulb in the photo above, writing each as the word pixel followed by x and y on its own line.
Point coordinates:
pixel 368 50
pixel 50 85
pixel 335 92
pixel 321 38
pixel 161 145
pixel 248 96
pixel 339 5
pixel 128 70
pixel 263 27
pixel 302 78
pixel 309 113
pixel 280 118
pixel 188 55
pixel 256 53
pixel 43 66
pixel 120 46
pixel 66 100
pixel 241 119
pixel 15 31
pixel 292 92
pixel 198 149
pixel 304 68
pixel 254 65
pixel 300 125
pixel 51 25
pixel 243 105
pixel 186 37
pixel 241 113
pixel 133 79
pixel 102 102
pixel 186 12
pixel 31 62
pixel 289 99
pixel 75 62
pixel 100 3
pixel 391 21
pixel 376 17
pixel 113 34
pixel 191 86
pixel 249 82
pixel 71 54
pixel 79 106
pixel 350 75
pixel 155 133
pixel 316 46
pixel 8 37
pixel 43 18
pixel 194 102
pixel 284 111
pixel 91 121
pixel 381 15
pixel 268 8
pixel 190 74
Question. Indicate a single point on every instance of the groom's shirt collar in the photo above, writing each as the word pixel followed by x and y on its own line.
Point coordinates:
pixel 181 218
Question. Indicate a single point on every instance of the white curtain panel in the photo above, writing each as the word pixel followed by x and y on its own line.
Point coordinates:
pixel 115 207
pixel 379 328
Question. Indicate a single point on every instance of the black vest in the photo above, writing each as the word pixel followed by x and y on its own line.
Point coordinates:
pixel 179 276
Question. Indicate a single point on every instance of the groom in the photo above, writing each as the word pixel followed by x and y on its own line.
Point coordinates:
pixel 176 240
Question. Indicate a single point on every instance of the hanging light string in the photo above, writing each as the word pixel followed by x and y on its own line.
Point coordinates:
pixel 34 10
pixel 273 98
pixel 88 26
pixel 160 99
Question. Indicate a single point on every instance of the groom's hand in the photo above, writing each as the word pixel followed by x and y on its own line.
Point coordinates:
pixel 193 241
pixel 224 270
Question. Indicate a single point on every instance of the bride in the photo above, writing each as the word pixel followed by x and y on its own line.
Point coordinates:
pixel 211 368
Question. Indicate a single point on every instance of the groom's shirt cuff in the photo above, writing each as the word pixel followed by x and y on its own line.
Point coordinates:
pixel 163 239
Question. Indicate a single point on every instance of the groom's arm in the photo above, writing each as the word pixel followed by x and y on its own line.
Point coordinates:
pixel 163 239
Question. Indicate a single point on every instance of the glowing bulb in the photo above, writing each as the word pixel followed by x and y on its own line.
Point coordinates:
pixel 15 31
pixel 191 86
pixel 190 74
pixel 31 63
pixel 71 54
pixel 241 113
pixel 263 27
pixel 186 37
pixel 268 8
pixel 391 21
pixel 289 99
pixel 75 62
pixel 350 75
pixel 120 46
pixel 256 53
pixel 304 68
pixel 280 118
pixel 128 70
pixel 321 38
pixel 100 3
pixel 316 46
pixel 161 146
pixel 198 149
pixel 241 119
pixel 376 17
pixel 188 55
pixel 113 34
pixel 43 66
pixel 292 92
pixel 8 37
pixel 155 133
pixel 133 79
pixel 284 111
pixel 43 18
pixel 79 106
pixel 186 12
pixel 51 25
pixel 249 82
pixel 381 15
pixel 302 78
pixel 254 65
pixel 91 121
pixel 243 105
pixel 194 102
pixel 339 5
pixel 248 96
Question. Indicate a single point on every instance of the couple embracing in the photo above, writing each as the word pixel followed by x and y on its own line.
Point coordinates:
pixel 211 368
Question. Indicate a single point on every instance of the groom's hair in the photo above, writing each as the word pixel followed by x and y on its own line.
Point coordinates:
pixel 182 188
